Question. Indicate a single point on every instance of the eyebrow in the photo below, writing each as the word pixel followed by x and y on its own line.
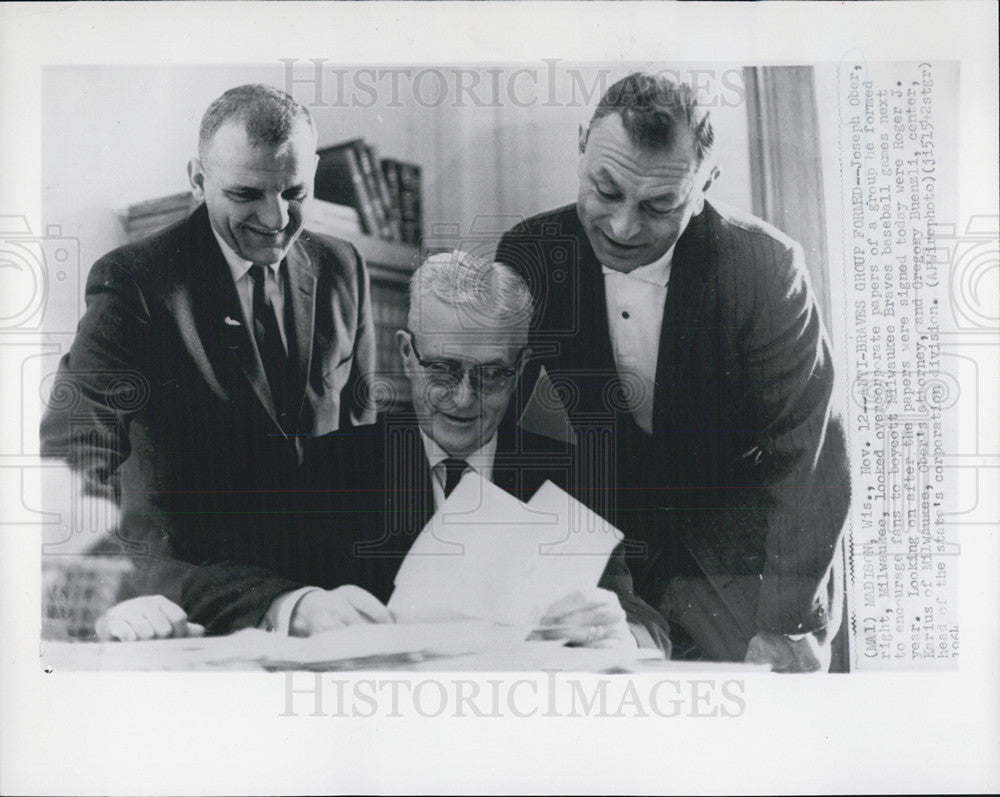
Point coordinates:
pixel 241 187
pixel 672 198
pixel 460 363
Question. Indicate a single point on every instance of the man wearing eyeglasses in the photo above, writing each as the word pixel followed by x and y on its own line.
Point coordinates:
pixel 330 560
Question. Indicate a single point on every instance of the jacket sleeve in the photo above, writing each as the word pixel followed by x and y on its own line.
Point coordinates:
pixel 100 384
pixel 648 625
pixel 800 459
pixel 228 596
pixel 357 399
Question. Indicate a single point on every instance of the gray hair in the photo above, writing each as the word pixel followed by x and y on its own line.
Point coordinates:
pixel 269 114
pixel 490 295
pixel 654 110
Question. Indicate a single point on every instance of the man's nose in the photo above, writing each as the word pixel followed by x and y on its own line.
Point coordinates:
pixel 462 395
pixel 624 223
pixel 273 213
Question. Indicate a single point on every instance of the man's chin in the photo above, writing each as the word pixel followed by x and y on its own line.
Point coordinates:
pixel 454 439
pixel 266 254
pixel 619 263
pixel 620 258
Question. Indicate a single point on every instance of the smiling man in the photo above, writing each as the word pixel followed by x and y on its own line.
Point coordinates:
pixel 694 331
pixel 211 350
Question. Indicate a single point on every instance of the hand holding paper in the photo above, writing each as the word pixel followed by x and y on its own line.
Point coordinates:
pixel 325 610
pixel 594 618
pixel 486 555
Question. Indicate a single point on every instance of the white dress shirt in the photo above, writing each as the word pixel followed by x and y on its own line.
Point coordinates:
pixel 480 460
pixel 635 303
pixel 274 287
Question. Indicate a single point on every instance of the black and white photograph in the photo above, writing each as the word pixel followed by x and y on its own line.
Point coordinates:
pixel 401 399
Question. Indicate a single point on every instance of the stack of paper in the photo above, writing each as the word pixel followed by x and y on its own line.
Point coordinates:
pixel 486 555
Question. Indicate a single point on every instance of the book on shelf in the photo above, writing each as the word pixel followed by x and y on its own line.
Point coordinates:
pixel 390 173
pixel 410 190
pixel 340 179
pixel 393 219
pixel 386 192
pixel 404 180
pixel 341 221
pixel 372 182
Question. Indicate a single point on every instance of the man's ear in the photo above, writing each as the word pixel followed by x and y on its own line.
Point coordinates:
pixel 711 177
pixel 525 356
pixel 196 176
pixel 405 350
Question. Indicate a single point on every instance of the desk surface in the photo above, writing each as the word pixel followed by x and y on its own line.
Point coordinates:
pixel 466 647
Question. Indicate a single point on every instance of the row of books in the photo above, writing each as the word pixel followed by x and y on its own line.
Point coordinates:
pixel 386 193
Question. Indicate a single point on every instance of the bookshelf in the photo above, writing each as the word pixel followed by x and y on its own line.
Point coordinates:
pixel 390 264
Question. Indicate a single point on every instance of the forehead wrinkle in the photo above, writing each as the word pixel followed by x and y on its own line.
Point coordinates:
pixel 240 155
pixel 235 177
pixel 653 173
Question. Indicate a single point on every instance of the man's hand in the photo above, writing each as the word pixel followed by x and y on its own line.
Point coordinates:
pixel 146 617
pixel 789 655
pixel 324 610
pixel 594 618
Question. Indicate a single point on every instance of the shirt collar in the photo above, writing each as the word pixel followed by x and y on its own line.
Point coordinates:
pixel 655 273
pixel 480 460
pixel 237 265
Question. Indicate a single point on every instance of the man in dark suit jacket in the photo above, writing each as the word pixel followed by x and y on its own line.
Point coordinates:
pixel 211 350
pixel 331 556
pixel 696 333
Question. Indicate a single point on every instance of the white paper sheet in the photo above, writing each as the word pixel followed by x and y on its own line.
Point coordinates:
pixel 488 556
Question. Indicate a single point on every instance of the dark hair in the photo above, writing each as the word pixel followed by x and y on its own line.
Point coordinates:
pixel 270 115
pixel 653 109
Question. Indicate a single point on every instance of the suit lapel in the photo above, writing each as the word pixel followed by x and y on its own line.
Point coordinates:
pixel 524 461
pixel 684 310
pixel 219 313
pixel 405 481
pixel 301 303
pixel 596 339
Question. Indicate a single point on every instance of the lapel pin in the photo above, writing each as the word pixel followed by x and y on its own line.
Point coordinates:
pixel 232 322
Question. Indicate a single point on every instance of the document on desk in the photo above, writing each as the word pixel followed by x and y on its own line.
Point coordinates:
pixel 485 555
pixel 353 647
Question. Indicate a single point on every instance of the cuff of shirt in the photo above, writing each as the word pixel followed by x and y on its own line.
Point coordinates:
pixel 279 616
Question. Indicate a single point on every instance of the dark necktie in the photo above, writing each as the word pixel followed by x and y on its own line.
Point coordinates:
pixel 453 470
pixel 272 351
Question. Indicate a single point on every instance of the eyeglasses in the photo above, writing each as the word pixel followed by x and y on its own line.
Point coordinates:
pixel 448 374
